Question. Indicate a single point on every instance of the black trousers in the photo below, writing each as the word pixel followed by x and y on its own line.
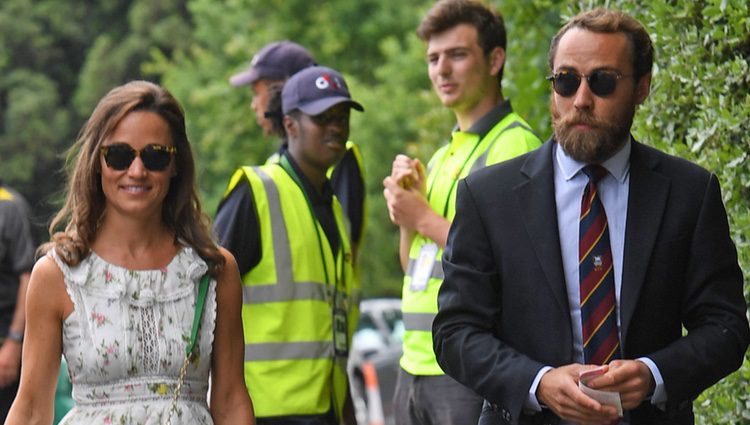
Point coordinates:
pixel 7 395
pixel 327 419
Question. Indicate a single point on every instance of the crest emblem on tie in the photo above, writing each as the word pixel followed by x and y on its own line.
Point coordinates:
pixel 597 260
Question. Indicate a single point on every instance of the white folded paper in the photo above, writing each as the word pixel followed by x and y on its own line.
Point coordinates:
pixel 609 398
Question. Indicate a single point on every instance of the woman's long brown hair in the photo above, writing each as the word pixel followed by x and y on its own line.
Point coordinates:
pixel 84 203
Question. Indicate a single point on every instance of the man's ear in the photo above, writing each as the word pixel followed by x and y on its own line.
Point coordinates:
pixel 291 127
pixel 642 88
pixel 497 60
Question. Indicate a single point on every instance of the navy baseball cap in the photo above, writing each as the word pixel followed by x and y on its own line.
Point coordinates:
pixel 275 61
pixel 314 90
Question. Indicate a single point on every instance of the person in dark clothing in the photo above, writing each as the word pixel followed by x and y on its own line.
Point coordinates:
pixel 16 260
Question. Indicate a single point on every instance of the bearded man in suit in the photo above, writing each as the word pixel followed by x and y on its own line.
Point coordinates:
pixel 592 250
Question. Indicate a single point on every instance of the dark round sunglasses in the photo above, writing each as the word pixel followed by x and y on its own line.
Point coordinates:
pixel 602 82
pixel 119 156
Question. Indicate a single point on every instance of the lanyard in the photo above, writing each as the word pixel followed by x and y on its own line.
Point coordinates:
pixel 455 177
pixel 287 166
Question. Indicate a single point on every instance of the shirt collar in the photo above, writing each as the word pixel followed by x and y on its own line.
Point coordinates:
pixel 325 197
pixel 618 164
pixel 484 124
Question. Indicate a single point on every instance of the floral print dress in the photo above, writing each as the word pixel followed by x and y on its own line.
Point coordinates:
pixel 125 341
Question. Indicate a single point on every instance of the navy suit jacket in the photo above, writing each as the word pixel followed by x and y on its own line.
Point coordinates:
pixel 503 307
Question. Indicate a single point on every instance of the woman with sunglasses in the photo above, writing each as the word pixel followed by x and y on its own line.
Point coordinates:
pixel 117 290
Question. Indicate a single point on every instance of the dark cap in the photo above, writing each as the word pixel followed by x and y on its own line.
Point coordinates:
pixel 275 61
pixel 314 90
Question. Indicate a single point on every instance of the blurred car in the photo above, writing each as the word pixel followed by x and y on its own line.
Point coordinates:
pixel 376 344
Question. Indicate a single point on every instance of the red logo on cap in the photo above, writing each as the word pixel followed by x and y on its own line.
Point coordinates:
pixel 325 81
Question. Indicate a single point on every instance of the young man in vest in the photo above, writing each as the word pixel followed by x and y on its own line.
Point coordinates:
pixel 466 54
pixel 268 71
pixel 300 293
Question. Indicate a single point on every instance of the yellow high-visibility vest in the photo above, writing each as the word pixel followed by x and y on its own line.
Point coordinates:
pixel 466 153
pixel 291 367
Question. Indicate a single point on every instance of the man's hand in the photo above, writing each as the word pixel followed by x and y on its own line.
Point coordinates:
pixel 558 390
pixel 10 362
pixel 631 378
pixel 405 206
pixel 408 173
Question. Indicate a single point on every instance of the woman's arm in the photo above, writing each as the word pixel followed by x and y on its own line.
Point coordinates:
pixel 230 402
pixel 47 304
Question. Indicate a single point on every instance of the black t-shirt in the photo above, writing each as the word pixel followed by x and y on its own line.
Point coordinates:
pixel 16 251
pixel 349 186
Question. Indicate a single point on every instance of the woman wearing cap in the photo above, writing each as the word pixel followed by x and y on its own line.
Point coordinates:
pixel 119 289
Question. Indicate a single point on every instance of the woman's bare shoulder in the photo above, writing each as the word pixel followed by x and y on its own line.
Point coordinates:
pixel 47 269
pixel 229 259
pixel 229 278
pixel 47 287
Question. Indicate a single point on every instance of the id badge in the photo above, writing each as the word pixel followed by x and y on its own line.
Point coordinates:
pixel 423 267
pixel 340 332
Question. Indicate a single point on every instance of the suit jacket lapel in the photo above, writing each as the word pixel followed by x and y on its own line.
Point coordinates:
pixel 646 200
pixel 537 198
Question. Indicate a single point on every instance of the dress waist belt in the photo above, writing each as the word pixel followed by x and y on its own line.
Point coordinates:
pixel 144 389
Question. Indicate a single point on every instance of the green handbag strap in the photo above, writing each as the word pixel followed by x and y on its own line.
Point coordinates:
pixel 199 303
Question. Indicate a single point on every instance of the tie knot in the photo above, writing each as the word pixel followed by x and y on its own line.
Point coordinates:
pixel 594 172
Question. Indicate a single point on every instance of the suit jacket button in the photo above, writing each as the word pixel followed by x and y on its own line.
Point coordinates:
pixel 506 415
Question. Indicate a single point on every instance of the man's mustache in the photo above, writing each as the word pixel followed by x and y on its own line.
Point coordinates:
pixel 581 118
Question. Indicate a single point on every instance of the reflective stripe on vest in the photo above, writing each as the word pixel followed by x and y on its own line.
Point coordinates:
pixel 281 252
pixel 289 350
pixel 418 321
pixel 279 293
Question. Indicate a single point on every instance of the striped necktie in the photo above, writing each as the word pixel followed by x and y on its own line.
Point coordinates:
pixel 597 283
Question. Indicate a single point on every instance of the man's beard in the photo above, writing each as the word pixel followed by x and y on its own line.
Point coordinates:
pixel 595 145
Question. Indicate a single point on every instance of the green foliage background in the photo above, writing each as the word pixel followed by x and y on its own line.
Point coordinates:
pixel 58 57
